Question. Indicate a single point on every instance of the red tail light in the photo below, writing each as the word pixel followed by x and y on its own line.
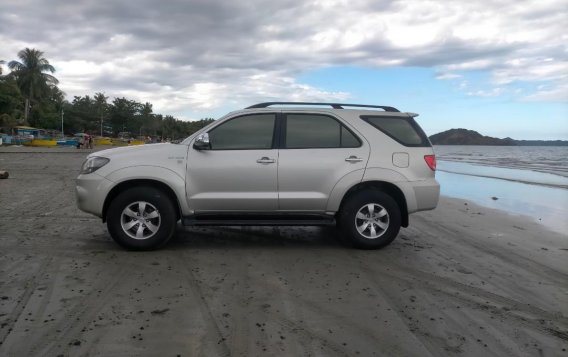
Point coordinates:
pixel 430 161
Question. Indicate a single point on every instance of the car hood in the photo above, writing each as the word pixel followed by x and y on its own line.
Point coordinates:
pixel 168 156
pixel 135 150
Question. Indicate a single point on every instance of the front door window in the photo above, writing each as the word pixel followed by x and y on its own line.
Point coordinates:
pixel 244 133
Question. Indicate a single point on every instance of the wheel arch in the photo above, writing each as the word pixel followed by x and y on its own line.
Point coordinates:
pixel 387 187
pixel 125 185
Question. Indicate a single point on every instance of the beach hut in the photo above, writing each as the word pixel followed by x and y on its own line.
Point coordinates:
pixel 28 135
pixel 26 131
pixel 23 135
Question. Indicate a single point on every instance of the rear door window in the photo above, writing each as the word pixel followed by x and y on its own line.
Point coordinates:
pixel 402 129
pixel 305 131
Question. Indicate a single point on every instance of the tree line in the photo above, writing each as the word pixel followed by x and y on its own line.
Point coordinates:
pixel 29 96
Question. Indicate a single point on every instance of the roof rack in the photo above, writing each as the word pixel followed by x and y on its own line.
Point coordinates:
pixel 333 105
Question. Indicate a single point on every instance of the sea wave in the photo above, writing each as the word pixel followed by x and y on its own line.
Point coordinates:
pixel 531 181
pixel 549 160
pixel 527 176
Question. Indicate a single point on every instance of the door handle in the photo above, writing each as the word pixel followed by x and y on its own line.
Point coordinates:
pixel 265 160
pixel 353 158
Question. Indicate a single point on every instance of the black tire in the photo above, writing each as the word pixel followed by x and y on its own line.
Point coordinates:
pixel 360 203
pixel 146 199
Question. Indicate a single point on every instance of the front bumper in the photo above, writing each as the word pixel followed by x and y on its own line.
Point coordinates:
pixel 90 192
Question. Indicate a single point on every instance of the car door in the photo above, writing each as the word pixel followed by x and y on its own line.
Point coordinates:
pixel 238 172
pixel 316 152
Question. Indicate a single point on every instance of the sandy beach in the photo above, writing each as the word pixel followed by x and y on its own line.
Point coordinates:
pixel 461 280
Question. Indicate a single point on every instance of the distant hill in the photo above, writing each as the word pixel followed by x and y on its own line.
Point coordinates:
pixel 472 137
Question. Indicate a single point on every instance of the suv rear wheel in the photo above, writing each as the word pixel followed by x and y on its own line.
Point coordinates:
pixel 141 218
pixel 370 219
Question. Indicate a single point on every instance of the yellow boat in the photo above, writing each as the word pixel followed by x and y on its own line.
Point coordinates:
pixel 43 142
pixel 124 142
pixel 99 141
pixel 103 141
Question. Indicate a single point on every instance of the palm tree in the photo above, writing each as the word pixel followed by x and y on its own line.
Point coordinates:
pixel 101 105
pixel 146 116
pixel 30 76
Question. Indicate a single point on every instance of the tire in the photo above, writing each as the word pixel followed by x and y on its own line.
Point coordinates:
pixel 132 230
pixel 365 233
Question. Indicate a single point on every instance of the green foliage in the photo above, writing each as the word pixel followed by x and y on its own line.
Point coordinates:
pixel 30 76
pixel 27 81
pixel 29 73
pixel 11 104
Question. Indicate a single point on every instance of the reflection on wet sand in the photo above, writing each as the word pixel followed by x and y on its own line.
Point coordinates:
pixel 542 196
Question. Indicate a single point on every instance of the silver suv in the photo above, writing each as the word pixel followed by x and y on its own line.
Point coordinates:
pixel 279 163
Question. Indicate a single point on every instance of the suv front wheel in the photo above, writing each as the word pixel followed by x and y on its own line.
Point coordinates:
pixel 370 219
pixel 141 218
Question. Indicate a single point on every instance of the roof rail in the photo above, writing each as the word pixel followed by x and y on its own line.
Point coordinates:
pixel 333 105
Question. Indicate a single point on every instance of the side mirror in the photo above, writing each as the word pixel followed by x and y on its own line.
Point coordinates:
pixel 202 142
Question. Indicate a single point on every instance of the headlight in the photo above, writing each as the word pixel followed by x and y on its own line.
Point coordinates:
pixel 93 164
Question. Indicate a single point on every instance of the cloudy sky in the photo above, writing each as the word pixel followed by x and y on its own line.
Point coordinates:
pixel 499 67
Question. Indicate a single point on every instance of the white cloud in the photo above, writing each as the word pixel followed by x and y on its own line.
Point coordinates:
pixel 486 93
pixel 204 96
pixel 557 93
pixel 448 76
pixel 471 65
pixel 198 55
pixel 531 69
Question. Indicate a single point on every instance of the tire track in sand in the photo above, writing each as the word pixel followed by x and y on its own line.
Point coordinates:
pixel 195 289
pixel 525 314
pixel 71 323
pixel 30 287
pixel 518 261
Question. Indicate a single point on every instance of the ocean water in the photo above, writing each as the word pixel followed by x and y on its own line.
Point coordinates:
pixel 548 159
pixel 528 180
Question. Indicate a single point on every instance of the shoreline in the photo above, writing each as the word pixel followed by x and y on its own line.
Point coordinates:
pixel 546 205
pixel 506 179
pixel 485 225
pixel 545 171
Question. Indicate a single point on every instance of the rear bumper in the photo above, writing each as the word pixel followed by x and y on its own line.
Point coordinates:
pixel 427 195
pixel 90 193
pixel 421 195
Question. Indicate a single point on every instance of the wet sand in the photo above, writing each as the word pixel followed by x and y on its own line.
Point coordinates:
pixel 461 280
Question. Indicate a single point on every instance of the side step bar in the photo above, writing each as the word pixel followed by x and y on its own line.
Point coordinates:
pixel 240 219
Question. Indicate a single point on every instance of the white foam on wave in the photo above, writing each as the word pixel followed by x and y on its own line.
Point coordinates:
pixel 509 174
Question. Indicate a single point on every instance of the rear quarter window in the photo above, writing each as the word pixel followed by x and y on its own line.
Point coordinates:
pixel 402 129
